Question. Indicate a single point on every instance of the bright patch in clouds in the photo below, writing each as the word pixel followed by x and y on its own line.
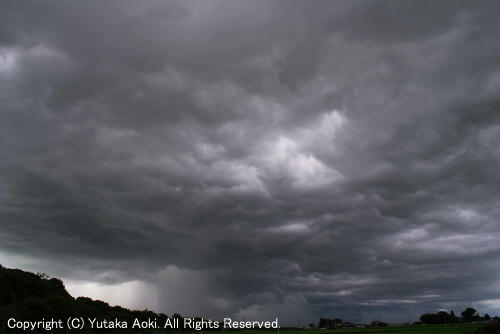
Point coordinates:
pixel 8 58
pixel 304 170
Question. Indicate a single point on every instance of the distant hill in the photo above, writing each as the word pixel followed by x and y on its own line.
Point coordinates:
pixel 28 296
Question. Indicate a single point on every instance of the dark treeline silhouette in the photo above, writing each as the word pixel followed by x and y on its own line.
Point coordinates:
pixel 443 317
pixel 29 296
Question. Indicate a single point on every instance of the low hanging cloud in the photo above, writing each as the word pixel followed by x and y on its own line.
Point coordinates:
pixel 255 159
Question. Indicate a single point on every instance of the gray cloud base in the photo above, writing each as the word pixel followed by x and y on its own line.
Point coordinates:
pixel 293 158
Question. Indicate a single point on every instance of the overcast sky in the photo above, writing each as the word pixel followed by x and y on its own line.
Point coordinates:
pixel 255 158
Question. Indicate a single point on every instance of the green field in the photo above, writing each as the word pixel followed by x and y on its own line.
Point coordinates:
pixel 422 329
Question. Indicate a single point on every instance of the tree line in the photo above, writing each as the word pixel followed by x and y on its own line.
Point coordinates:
pixel 467 315
pixel 441 317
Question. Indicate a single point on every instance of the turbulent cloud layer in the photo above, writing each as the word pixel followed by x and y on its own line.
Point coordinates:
pixel 255 158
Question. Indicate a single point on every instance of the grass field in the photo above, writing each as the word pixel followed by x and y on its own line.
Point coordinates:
pixel 422 329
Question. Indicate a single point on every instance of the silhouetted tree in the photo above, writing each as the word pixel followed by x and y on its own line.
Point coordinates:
pixel 468 314
pixel 443 317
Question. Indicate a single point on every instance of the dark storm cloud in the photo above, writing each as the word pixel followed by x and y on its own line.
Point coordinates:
pixel 256 158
